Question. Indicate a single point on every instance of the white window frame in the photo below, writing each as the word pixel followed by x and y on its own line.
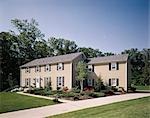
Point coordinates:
pixel 47 68
pixel 114 82
pixel 90 82
pixel 37 69
pixel 114 66
pixel 60 81
pixel 90 68
pixel 27 82
pixel 60 66
pixel 27 70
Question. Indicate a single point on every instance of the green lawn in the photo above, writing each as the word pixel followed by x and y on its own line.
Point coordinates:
pixel 13 101
pixel 139 108
pixel 142 87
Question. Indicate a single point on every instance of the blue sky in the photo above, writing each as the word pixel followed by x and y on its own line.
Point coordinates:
pixel 109 25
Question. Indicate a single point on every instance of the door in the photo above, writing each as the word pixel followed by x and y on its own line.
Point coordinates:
pixel 37 82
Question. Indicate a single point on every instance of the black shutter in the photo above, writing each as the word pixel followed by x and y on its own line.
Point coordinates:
pixel 117 82
pixel 92 68
pixel 62 66
pixel 49 67
pixel 62 81
pixel 92 82
pixel 109 82
pixel 117 66
pixel 109 66
pixel 57 66
pixel 29 81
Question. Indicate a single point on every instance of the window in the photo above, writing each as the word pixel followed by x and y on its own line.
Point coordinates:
pixel 37 69
pixel 47 68
pixel 90 82
pixel 27 82
pixel 47 81
pixel 114 82
pixel 114 66
pixel 27 70
pixel 91 68
pixel 60 81
pixel 38 82
pixel 60 66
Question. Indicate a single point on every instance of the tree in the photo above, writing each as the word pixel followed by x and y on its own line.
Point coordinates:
pixel 28 33
pixel 82 73
pixel 145 80
pixel 108 54
pixel 61 46
pixel 9 60
pixel 98 84
pixel 41 49
pixel 18 48
pixel 90 52
pixel 139 65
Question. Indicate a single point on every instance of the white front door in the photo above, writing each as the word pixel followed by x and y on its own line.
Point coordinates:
pixel 37 82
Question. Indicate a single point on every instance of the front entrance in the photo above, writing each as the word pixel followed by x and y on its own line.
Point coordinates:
pixel 38 83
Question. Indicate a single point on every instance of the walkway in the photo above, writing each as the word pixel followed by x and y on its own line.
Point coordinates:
pixel 70 106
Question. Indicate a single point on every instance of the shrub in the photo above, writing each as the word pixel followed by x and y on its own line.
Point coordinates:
pixel 75 90
pixel 56 92
pixel 89 88
pixel 38 91
pixel 58 88
pixel 69 94
pixel 131 89
pixel 114 89
pixel 83 93
pixel 30 91
pixel 96 94
pixel 65 89
pixel 76 98
pixel 109 93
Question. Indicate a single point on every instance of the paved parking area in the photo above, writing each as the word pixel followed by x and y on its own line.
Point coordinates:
pixel 70 106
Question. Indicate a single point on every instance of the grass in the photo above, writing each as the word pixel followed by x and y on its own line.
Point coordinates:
pixel 142 87
pixel 138 108
pixel 13 101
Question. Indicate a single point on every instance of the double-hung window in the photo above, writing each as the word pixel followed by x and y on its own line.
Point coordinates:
pixel 60 66
pixel 47 68
pixel 60 81
pixel 37 69
pixel 27 82
pixel 113 82
pixel 90 82
pixel 91 68
pixel 27 70
pixel 114 66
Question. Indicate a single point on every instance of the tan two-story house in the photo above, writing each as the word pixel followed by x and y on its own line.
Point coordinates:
pixel 60 71
pixel 57 71
pixel 113 70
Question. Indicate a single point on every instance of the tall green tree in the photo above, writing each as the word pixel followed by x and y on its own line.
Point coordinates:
pixel 9 60
pixel 82 73
pixel 61 46
pixel 27 34
pixel 145 80
pixel 139 65
pixel 90 52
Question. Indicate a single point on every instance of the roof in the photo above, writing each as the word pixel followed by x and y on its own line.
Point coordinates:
pixel 108 59
pixel 53 60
